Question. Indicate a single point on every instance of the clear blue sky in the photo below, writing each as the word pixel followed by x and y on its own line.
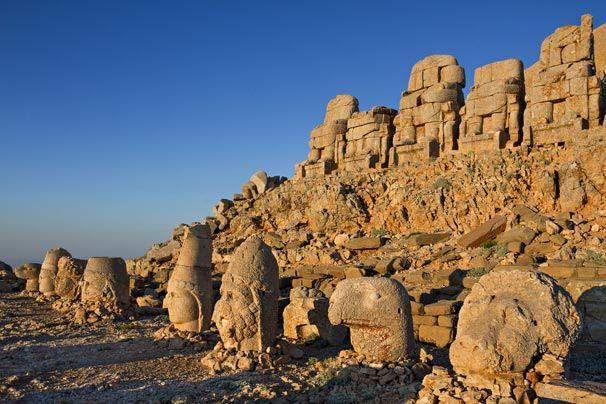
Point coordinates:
pixel 121 119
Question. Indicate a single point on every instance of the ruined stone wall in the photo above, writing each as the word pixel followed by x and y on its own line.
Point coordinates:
pixel 555 101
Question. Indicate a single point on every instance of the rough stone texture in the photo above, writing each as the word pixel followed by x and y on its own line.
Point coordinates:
pixel 306 317
pixel 368 140
pixel 492 116
pixel 189 295
pixel 378 314
pixel 69 275
pixel 49 268
pixel 483 233
pixel 31 273
pixel 247 313
pixel 563 93
pixel 512 321
pixel 428 122
pixel 106 278
pixel 325 138
pixel 599 48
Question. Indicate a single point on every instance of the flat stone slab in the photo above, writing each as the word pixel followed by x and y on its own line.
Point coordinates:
pixel 483 233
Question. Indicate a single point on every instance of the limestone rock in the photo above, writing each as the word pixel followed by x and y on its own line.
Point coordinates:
pixel 247 313
pixel 510 320
pixel 49 268
pixel 106 278
pixel 189 295
pixel 306 317
pixel 378 314
pixel 483 233
pixel 30 272
pixel 69 275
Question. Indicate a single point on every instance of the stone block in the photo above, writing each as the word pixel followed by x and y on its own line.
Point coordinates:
pixel 364 243
pixel 436 335
pixel 483 233
pixel 443 307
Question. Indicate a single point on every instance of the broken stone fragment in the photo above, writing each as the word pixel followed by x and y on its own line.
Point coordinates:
pixel 30 272
pixel 483 233
pixel 364 243
pixel 49 269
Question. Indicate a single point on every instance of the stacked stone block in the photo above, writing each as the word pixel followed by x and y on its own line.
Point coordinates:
pixel 428 122
pixel 563 92
pixel 368 140
pixel 435 323
pixel 325 137
pixel 493 112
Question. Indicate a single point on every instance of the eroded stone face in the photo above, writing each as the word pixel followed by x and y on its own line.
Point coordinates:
pixel 378 314
pixel 189 291
pixel 306 317
pixel 510 321
pixel 31 273
pixel 106 278
pixel 49 268
pixel 69 275
pixel 247 313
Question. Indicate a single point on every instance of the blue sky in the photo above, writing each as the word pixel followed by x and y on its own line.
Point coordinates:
pixel 121 119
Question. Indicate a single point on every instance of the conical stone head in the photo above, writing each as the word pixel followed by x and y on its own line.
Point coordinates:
pixel 247 313
pixel 189 295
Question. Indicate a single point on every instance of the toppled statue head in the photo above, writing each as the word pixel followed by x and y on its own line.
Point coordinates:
pixel 31 273
pixel 510 321
pixel 189 296
pixel 49 268
pixel 106 278
pixel 247 313
pixel 69 275
pixel 378 314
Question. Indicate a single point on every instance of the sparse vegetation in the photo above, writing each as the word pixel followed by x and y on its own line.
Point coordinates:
pixel 596 257
pixel 489 244
pixel 476 272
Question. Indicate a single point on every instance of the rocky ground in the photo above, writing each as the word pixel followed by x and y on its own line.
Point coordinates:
pixel 46 358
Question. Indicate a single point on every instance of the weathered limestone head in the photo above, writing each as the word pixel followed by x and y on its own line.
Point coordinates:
pixel 69 275
pixel 377 312
pixel 511 321
pixel 247 313
pixel 106 278
pixel 31 273
pixel 341 107
pixel 189 290
pixel 48 272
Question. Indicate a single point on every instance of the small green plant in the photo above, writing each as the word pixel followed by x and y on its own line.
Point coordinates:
pixel 379 233
pixel 312 361
pixel 476 272
pixel 500 250
pixel 232 385
pixel 124 327
pixel 489 244
pixel 441 183
pixel 596 257
pixel 325 376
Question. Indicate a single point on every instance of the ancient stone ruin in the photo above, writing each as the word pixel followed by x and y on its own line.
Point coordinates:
pixel 549 103
pixel 49 269
pixel 247 313
pixel 189 294
pixel 428 121
pixel 69 275
pixel 106 278
pixel 306 317
pixel 377 312
pixel 31 273
pixel 493 111
pixel 513 322
pixel 564 94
